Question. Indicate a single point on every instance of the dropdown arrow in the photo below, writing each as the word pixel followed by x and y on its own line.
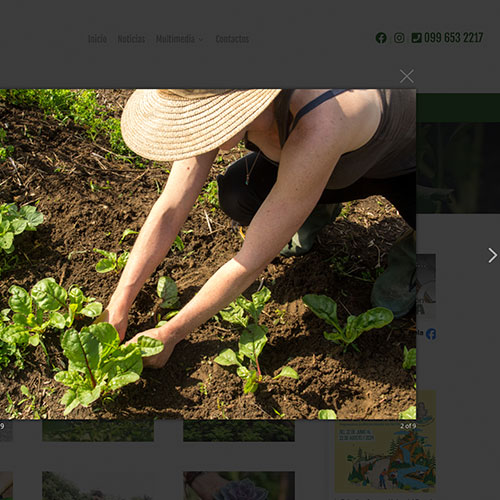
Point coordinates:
pixel 495 255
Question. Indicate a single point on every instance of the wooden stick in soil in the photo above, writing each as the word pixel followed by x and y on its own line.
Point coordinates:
pixel 208 222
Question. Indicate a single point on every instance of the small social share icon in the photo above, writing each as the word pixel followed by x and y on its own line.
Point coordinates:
pixel 381 37
pixel 399 37
pixel 431 334
pixel 416 38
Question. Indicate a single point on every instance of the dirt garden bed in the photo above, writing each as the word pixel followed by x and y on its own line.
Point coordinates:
pixel 89 197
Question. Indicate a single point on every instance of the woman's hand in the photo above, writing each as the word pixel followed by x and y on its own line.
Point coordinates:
pixel 159 360
pixel 118 320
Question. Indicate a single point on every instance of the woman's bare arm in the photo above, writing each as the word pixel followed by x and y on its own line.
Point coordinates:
pixel 162 225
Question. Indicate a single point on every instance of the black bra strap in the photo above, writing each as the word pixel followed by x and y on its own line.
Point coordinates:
pixel 329 94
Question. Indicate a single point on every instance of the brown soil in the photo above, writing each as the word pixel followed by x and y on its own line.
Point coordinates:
pixel 54 165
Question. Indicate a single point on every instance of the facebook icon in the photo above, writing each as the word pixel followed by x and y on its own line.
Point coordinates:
pixel 431 334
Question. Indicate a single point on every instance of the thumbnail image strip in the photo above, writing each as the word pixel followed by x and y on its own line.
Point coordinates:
pixel 98 431
pixel 238 431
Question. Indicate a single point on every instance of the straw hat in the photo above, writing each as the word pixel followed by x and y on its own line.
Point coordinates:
pixel 174 124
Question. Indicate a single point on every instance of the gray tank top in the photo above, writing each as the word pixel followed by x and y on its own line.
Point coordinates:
pixel 391 150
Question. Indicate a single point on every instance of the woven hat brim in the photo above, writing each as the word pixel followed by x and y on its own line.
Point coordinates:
pixel 164 127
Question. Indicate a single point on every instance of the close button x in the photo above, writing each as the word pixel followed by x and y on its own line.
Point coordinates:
pixel 406 76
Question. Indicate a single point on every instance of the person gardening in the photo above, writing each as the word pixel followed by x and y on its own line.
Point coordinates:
pixel 312 149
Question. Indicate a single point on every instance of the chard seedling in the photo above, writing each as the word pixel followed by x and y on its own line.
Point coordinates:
pixel 327 415
pixel 126 233
pixel 252 340
pixel 410 358
pixel 409 414
pixel 111 261
pixel 47 305
pixel 14 222
pixel 98 364
pixel 326 309
pixel 242 310
pixel 178 244
pixel 166 289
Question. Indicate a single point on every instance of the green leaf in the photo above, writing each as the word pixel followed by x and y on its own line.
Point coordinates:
pixel 75 295
pixel 409 414
pixel 234 314
pixel 333 337
pixel 6 241
pixel 57 320
pixel 105 333
pixel 327 415
pixel 124 359
pixel 166 289
pixel 227 357
pixel 324 307
pixel 34 340
pixel 120 380
pixel 410 358
pixel 70 401
pixel 259 300
pixel 33 217
pixel 20 301
pixel 373 318
pixel 82 350
pixel 170 315
pixel 122 260
pixel 18 226
pixel 87 396
pixel 126 233
pixel 92 310
pixel 105 265
pixel 251 385
pixel 21 319
pixel 243 372
pixel 15 334
pixel 49 295
pixel 286 371
pixel 106 254
pixel 252 341
pixel 149 346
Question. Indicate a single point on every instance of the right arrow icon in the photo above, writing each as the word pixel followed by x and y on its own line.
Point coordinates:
pixel 495 255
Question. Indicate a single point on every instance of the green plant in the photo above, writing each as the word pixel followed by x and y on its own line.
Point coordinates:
pixel 409 414
pixel 11 407
pixel 99 364
pixel 251 342
pixel 410 358
pixel 126 233
pixel 210 195
pixel 178 244
pixel 29 402
pixel 13 222
pixel 242 310
pixel 166 289
pixel 96 187
pixel 327 415
pixel 326 309
pixel 280 319
pixel 5 150
pixel 81 107
pixel 48 305
pixel 111 261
